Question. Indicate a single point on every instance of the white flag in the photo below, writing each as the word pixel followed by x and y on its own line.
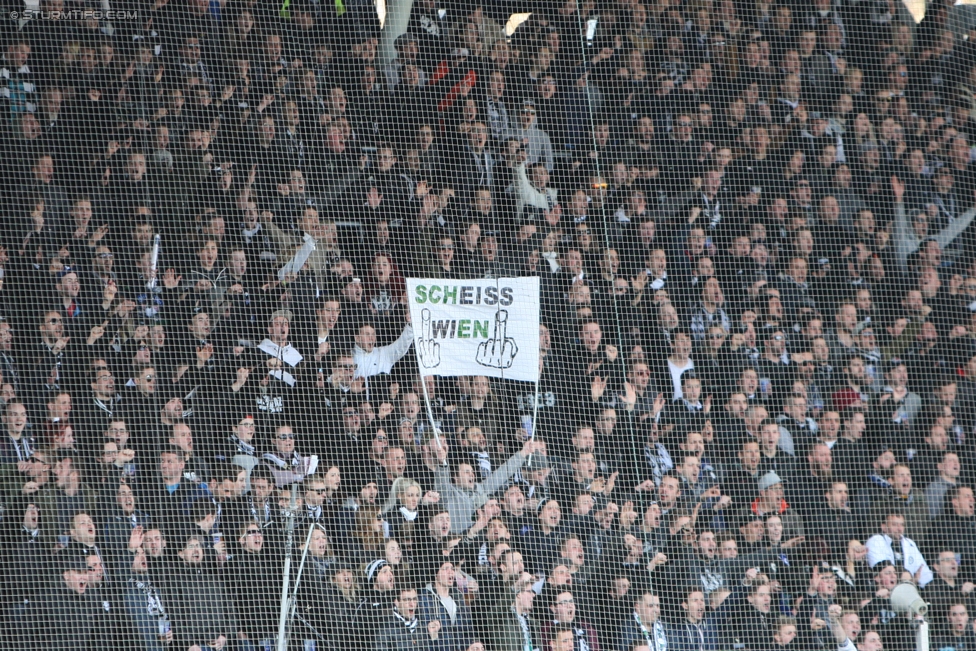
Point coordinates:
pixel 488 326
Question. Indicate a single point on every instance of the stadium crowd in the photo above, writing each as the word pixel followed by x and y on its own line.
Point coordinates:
pixel 756 416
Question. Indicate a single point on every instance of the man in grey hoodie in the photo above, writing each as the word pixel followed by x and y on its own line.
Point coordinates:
pixel 461 493
pixel 534 140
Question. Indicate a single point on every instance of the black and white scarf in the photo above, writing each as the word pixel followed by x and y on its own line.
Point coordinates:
pixel 659 459
pixel 410 625
pixel 242 447
pixel 484 463
pixel 654 636
pixel 24 447
pixel 264 517
pixel 526 631
pixel 154 605
pixel 295 461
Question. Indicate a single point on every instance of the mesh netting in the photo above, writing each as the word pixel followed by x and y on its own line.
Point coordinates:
pixel 530 325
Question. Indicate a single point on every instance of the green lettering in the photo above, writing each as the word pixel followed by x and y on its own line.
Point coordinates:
pixel 421 294
pixel 450 293
pixel 430 294
pixel 480 329
pixel 464 329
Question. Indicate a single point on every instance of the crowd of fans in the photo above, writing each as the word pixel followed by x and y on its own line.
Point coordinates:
pixel 751 222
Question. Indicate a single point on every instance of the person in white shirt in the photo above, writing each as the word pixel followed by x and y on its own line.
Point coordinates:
pixel 371 359
pixel 892 545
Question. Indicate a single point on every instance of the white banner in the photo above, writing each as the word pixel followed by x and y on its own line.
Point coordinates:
pixel 488 326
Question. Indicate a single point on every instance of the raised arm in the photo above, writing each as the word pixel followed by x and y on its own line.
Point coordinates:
pixel 382 359
pixel 952 231
pixel 834 613
pixel 904 239
pixel 501 475
pixel 400 347
pixel 528 194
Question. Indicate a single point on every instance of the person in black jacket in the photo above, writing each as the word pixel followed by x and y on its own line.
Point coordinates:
pixel 695 631
pixel 338 602
pixel 170 495
pixel 958 633
pixel 25 564
pixel 375 605
pixel 111 622
pixel 119 525
pixel 97 409
pixel 201 612
pixel 752 625
pixel 255 566
pixel 956 530
pixel 66 616
pixel 947 587
pixel 402 628
pixel 835 521
pixel 643 624
pixel 148 617
pixel 321 565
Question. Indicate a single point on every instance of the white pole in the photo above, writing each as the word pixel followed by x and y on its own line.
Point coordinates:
pixel 535 405
pixel 301 568
pixel 430 412
pixel 922 637
pixel 396 18
pixel 290 528
pixel 535 411
pixel 154 263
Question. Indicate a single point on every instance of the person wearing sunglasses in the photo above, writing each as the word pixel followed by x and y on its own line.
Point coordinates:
pixel 321 503
pixel 535 141
pixel 255 564
pixel 55 352
pixel 286 464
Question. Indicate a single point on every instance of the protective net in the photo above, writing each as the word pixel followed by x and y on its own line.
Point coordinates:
pixel 520 326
